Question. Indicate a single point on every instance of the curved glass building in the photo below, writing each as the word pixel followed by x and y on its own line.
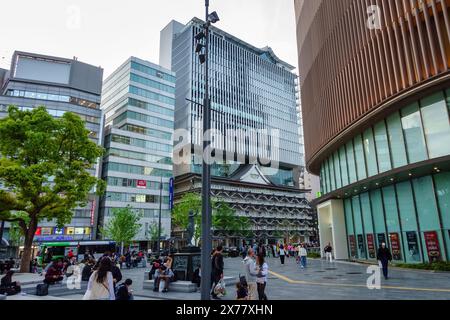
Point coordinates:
pixel 376 104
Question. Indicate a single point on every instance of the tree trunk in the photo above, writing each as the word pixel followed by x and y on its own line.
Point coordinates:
pixel 121 248
pixel 28 244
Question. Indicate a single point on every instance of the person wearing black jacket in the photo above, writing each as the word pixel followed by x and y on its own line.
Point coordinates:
pixel 117 275
pixel 217 269
pixel 384 256
pixel 9 287
pixel 124 291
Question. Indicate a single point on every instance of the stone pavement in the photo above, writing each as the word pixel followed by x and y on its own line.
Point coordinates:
pixel 321 280
pixel 333 281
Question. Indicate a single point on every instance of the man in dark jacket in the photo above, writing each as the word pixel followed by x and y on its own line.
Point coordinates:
pixel 124 291
pixel 117 275
pixel 384 256
pixel 217 269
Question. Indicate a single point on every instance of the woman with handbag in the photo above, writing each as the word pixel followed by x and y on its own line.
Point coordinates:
pixel 101 285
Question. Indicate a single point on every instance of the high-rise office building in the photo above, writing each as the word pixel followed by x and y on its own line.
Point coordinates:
pixel 138 103
pixel 376 100
pixel 61 85
pixel 252 90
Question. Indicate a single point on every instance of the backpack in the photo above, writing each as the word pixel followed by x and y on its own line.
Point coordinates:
pixel 42 289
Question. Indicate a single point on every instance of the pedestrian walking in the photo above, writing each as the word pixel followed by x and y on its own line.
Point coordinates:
pixel 217 269
pixel 261 278
pixel 250 274
pixel 328 252
pixel 303 254
pixel 282 254
pixel 384 256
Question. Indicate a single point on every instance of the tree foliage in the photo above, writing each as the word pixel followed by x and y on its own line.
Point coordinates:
pixel 224 218
pixel 123 226
pixel 44 163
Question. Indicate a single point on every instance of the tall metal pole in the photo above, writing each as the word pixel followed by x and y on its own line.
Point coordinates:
pixel 159 217
pixel 206 178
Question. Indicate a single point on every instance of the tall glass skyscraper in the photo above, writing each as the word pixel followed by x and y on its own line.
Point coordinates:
pixel 138 104
pixel 252 90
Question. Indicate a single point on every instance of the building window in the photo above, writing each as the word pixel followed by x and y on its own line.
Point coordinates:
pixel 412 128
pixel 436 125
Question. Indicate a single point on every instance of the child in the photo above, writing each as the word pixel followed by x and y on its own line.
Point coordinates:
pixel 241 292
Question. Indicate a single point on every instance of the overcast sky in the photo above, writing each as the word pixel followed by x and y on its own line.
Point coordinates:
pixel 107 32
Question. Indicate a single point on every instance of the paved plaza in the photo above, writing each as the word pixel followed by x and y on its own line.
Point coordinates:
pixel 321 280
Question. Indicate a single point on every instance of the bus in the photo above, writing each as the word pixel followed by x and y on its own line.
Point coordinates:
pixel 60 249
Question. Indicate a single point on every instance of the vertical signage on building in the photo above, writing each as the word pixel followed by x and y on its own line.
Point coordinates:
pixel 381 238
pixel 432 243
pixel 413 246
pixel 362 250
pixel 371 246
pixel 92 212
pixel 395 246
pixel 352 242
pixel 171 193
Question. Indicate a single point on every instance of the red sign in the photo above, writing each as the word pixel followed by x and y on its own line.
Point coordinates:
pixel 38 231
pixel 371 245
pixel 142 184
pixel 352 241
pixel 92 212
pixel 395 246
pixel 432 243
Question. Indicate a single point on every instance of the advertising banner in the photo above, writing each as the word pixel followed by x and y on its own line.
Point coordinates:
pixel 413 245
pixel 371 246
pixel 171 193
pixel 352 242
pixel 92 212
pixel 395 246
pixel 432 243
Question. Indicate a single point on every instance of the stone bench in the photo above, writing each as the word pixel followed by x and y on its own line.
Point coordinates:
pixel 184 286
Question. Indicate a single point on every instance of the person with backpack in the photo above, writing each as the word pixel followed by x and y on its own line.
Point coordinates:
pixel 100 285
pixel 217 270
pixel 124 292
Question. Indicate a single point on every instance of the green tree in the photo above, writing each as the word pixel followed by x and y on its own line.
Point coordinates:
pixel 16 235
pixel 44 166
pixel 122 227
pixel 153 232
pixel 180 213
pixel 224 218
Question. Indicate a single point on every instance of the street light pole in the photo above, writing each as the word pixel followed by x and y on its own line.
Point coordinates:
pixel 159 217
pixel 206 178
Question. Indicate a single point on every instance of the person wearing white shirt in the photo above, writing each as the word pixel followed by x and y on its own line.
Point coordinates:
pixel 302 253
pixel 101 285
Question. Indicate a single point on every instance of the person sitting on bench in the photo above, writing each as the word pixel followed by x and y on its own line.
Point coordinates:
pixel 9 287
pixel 165 274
